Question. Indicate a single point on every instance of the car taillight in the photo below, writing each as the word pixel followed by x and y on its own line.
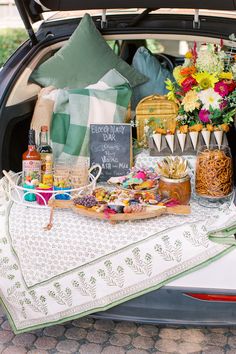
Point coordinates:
pixel 212 297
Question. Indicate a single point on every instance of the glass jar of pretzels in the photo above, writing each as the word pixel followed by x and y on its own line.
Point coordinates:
pixel 214 172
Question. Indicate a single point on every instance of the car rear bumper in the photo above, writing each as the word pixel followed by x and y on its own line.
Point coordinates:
pixel 176 304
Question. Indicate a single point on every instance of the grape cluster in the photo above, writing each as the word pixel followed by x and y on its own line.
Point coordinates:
pixel 87 201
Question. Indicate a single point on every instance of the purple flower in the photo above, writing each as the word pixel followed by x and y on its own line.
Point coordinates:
pixel 223 104
pixel 204 116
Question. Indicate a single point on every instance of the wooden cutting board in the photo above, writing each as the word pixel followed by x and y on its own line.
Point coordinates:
pixel 149 212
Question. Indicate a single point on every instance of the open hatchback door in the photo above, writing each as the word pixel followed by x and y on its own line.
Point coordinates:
pixel 32 11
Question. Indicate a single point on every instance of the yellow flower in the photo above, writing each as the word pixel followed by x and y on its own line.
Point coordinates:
pixel 171 88
pixel 171 96
pixel 205 80
pixel 226 75
pixel 169 85
pixel 188 55
pixel 177 75
pixel 190 101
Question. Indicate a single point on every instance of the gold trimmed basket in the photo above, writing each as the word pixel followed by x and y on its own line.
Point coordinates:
pixel 155 106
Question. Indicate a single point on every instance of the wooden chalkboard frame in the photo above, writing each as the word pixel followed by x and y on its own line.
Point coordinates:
pixel 107 135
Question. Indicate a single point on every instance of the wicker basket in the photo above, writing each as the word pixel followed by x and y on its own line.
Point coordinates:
pixel 155 106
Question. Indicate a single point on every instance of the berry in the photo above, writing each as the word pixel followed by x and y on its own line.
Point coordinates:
pixel 87 201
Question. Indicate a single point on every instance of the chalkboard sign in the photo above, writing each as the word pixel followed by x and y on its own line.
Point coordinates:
pixel 111 147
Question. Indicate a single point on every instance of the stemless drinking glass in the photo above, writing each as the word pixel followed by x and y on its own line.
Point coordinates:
pixel 61 180
pixel 214 172
pixel 61 174
pixel 79 174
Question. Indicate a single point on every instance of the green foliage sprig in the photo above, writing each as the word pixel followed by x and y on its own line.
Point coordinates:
pixel 10 40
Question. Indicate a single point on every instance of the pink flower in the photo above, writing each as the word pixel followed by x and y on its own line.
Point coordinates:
pixel 188 83
pixel 221 88
pixel 204 116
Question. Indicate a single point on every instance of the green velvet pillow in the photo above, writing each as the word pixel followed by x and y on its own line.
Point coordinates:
pixel 83 61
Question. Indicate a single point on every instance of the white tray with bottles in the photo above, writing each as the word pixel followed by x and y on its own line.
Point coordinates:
pixel 18 194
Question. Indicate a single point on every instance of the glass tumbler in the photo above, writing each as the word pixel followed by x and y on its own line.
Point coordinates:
pixel 61 181
pixel 79 174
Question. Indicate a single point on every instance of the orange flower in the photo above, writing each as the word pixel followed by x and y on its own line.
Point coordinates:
pixel 160 131
pixel 189 70
pixel 210 127
pixel 224 127
pixel 196 128
pixel 183 129
pixel 171 131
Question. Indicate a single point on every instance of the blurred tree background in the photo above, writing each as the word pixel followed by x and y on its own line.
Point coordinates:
pixel 10 40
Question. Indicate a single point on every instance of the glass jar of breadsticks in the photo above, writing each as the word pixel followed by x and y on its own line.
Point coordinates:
pixel 214 172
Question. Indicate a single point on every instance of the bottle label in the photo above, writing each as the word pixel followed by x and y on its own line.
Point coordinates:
pixel 31 171
pixel 47 179
pixel 31 148
pixel 46 164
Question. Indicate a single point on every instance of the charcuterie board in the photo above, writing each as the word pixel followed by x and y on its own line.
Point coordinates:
pixel 147 213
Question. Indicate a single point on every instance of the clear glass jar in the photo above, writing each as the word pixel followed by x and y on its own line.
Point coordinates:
pixel 179 189
pixel 214 172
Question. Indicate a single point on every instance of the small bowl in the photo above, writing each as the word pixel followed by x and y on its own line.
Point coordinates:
pixel 43 195
pixel 65 195
pixel 29 197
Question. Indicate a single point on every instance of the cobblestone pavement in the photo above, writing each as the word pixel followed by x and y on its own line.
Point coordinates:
pixel 89 336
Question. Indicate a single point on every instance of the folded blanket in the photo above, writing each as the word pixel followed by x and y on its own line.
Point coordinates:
pixel 74 110
pixel 223 230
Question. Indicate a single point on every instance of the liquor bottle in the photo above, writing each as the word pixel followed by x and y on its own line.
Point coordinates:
pixel 47 177
pixel 31 162
pixel 45 151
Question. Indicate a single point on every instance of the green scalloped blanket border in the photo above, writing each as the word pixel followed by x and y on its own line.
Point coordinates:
pixel 104 308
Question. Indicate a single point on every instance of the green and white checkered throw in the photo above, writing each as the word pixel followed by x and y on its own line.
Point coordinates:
pixel 102 103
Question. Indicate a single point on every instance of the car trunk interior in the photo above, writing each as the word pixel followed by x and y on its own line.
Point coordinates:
pixel 22 96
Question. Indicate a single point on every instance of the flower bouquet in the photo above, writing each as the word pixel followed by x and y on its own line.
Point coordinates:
pixel 205 90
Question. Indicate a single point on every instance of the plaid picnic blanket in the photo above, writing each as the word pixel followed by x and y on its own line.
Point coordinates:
pixel 75 109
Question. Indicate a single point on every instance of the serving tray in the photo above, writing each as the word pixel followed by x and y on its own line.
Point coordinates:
pixel 17 193
pixel 149 212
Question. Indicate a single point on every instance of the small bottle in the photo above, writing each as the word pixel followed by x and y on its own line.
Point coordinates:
pixel 31 162
pixel 44 148
pixel 47 177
